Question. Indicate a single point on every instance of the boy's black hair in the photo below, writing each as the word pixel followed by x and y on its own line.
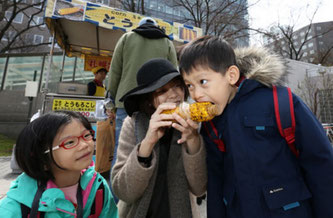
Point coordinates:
pixel 37 137
pixel 207 51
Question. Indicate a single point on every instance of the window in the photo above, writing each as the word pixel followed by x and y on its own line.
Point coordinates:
pixel 55 43
pixel 8 36
pixel 36 21
pixel 37 3
pixel 318 27
pixel 161 8
pixel 18 18
pixel 304 47
pixel 312 52
pixel 168 9
pixel 38 39
pixel 305 54
pixel 176 12
pixel 321 43
pixel 310 44
pixel 295 37
pixel 302 33
pixel 19 1
pixel 105 2
pixel 153 5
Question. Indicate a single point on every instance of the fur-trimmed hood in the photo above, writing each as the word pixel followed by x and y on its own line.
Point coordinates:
pixel 259 64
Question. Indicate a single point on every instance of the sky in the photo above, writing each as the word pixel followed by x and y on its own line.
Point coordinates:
pixel 288 12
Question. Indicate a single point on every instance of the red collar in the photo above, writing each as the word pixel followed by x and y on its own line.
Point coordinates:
pixel 98 83
pixel 240 81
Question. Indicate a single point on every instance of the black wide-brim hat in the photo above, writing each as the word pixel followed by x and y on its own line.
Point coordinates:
pixel 152 75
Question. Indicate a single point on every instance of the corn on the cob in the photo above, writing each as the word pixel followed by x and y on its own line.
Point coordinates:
pixel 65 11
pixel 198 111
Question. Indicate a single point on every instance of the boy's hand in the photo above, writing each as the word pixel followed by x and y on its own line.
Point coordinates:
pixel 189 130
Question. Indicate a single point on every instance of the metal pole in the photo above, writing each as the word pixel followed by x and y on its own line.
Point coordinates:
pixel 75 61
pixel 50 63
pixel 4 74
pixel 30 100
pixel 41 74
pixel 62 65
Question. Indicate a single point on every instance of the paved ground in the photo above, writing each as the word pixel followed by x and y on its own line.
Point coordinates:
pixel 6 175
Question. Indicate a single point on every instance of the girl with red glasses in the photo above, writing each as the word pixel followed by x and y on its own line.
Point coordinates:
pixel 58 180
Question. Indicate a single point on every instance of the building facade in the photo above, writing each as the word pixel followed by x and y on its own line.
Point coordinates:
pixel 312 43
pixel 35 36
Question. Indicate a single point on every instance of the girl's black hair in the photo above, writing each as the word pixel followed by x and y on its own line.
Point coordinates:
pixel 207 51
pixel 37 137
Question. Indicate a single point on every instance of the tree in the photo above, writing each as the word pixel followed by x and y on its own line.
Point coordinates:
pixel 313 90
pixel 137 6
pixel 324 56
pixel 286 41
pixel 215 17
pixel 13 36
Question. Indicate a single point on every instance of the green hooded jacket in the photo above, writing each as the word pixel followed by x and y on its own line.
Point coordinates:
pixel 53 201
pixel 131 52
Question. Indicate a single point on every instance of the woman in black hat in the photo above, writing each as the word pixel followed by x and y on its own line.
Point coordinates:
pixel 158 161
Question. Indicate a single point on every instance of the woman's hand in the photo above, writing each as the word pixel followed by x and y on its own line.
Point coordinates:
pixel 190 134
pixel 157 125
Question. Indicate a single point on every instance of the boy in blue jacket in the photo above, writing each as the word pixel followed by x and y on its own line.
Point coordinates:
pixel 252 173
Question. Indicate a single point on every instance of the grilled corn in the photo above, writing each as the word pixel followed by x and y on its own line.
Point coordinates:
pixel 198 111
pixel 65 11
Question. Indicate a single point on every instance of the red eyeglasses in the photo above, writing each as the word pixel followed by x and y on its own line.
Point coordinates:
pixel 73 141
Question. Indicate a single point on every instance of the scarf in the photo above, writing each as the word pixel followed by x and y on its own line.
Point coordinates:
pixel 150 31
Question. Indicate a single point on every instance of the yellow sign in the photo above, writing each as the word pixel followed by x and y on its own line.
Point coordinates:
pixel 187 34
pixel 114 18
pixel 91 61
pixel 111 19
pixel 74 105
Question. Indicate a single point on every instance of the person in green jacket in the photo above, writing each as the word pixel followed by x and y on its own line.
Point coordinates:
pixel 133 49
pixel 59 180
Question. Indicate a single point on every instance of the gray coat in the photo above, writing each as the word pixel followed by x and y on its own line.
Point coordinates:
pixel 133 184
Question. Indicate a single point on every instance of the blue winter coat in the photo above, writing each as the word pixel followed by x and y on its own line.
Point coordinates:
pixel 258 176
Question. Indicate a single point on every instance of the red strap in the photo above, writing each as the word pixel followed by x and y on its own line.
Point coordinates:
pixel 99 202
pixel 219 142
pixel 288 133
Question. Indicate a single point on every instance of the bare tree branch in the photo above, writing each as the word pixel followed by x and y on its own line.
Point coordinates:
pixel 282 40
pixel 215 17
pixel 13 35
pixel 134 6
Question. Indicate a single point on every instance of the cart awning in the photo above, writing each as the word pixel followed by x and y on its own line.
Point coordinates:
pixel 88 28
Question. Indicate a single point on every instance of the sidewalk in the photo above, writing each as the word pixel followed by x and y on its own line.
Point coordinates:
pixel 6 175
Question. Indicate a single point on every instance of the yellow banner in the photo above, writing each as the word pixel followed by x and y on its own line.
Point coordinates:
pixel 111 17
pixel 74 105
pixel 91 61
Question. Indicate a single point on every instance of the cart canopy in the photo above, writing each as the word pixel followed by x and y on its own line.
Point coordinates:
pixel 83 28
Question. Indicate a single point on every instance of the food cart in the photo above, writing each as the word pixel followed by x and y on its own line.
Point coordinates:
pixel 90 31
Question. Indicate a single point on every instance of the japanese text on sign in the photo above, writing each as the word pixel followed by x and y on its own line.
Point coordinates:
pixel 91 62
pixel 73 105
